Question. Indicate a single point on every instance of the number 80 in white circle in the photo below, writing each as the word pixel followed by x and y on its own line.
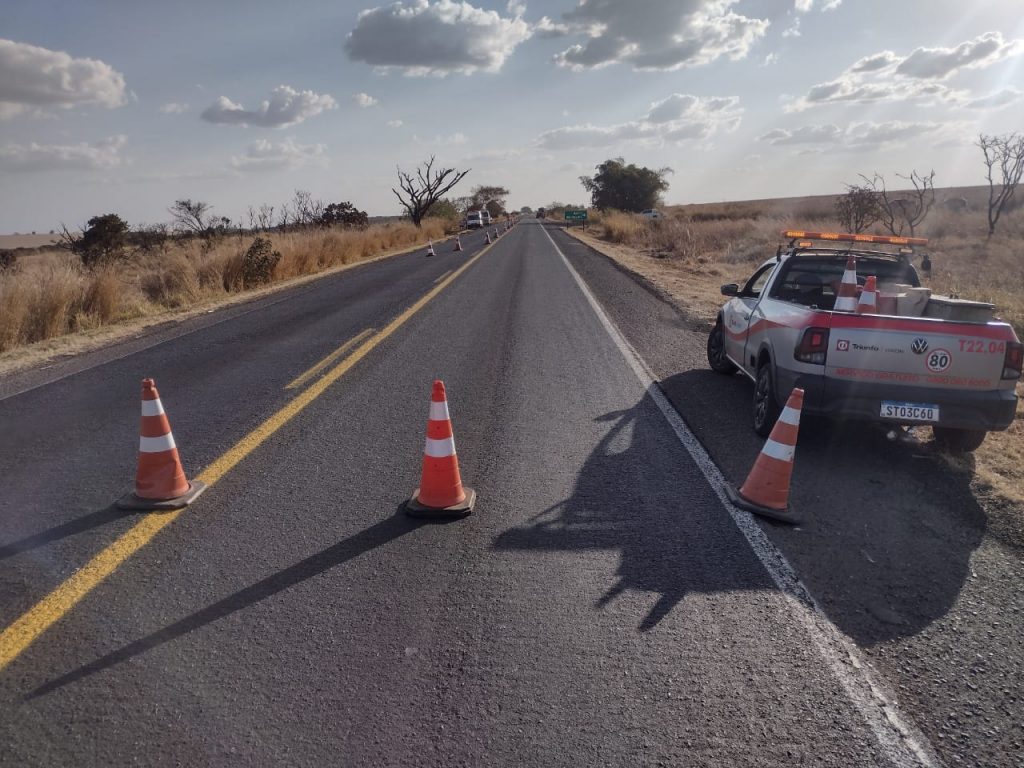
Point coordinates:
pixel 938 360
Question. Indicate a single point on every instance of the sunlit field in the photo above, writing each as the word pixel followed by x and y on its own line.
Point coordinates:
pixel 49 294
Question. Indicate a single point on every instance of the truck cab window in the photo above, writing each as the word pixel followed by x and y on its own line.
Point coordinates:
pixel 757 282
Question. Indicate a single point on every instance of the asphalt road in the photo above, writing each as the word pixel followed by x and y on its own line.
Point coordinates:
pixel 600 607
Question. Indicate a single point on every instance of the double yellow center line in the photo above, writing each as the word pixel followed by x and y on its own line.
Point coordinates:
pixel 25 629
pixel 300 380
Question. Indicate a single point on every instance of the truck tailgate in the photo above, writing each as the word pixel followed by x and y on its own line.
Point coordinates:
pixel 917 352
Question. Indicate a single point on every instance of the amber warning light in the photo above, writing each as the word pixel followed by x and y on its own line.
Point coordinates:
pixel 794 234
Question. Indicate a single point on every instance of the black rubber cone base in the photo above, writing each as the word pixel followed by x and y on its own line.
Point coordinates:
pixel 786 515
pixel 413 508
pixel 139 504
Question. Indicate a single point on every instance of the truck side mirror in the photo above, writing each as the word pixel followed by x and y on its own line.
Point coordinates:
pixel 730 289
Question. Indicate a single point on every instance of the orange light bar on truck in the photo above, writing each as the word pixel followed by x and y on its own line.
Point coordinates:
pixel 794 234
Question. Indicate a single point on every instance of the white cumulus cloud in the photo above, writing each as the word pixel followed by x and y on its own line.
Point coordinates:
pixel 32 78
pixel 997 100
pixel 939 63
pixel 395 123
pixel 657 34
pixel 173 108
pixel 286 106
pixel 453 140
pixel 918 76
pixel 288 155
pixel 59 157
pixel 365 100
pixel 263 155
pixel 420 38
pixel 805 6
pixel 856 136
pixel 676 119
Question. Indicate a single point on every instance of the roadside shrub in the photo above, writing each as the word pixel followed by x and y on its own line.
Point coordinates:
pixel 55 304
pixel 232 272
pixel 343 214
pixel 259 262
pixel 103 296
pixel 102 242
pixel 15 299
pixel 622 227
pixel 8 260
pixel 173 284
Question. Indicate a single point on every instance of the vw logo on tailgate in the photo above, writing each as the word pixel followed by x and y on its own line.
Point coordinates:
pixel 919 346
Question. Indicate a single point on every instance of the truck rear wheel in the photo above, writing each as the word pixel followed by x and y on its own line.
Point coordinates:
pixel 958 440
pixel 766 403
pixel 716 351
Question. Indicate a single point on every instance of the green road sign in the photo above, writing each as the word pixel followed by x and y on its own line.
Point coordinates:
pixel 575 215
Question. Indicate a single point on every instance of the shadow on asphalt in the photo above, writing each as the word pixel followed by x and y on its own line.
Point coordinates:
pixel 671 541
pixel 888 530
pixel 375 536
pixel 81 524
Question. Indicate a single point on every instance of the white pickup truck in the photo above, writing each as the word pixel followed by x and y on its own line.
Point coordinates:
pixel 921 359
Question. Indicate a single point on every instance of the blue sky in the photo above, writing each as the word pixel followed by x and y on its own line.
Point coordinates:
pixel 122 106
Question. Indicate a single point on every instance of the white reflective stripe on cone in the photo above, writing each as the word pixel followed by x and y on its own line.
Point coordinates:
pixel 440 449
pixel 152 408
pixel 156 444
pixel 438 411
pixel 778 450
pixel 790 416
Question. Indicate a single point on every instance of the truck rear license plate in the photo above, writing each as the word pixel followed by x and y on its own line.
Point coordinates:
pixel 909 411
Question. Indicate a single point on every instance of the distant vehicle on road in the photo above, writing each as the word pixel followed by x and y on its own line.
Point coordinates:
pixel 651 213
pixel 486 215
pixel 474 220
pixel 541 213
pixel 920 360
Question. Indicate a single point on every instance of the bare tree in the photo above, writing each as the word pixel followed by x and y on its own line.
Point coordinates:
pixel 265 217
pixel 1005 154
pixel 151 238
pixel 898 213
pixel 425 188
pixel 284 217
pixel 306 209
pixel 858 209
pixel 193 216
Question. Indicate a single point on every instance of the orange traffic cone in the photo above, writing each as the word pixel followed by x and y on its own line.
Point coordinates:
pixel 846 299
pixel 458 244
pixel 868 303
pixel 440 493
pixel 430 248
pixel 160 481
pixel 766 490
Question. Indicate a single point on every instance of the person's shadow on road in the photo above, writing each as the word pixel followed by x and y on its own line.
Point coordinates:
pixel 639 493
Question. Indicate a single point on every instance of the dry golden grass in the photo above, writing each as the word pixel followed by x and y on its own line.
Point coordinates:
pixel 50 294
pixel 690 252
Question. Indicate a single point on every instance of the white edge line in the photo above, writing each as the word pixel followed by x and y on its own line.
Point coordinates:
pixel 899 738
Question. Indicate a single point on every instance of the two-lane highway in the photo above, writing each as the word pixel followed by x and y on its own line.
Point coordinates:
pixel 599 608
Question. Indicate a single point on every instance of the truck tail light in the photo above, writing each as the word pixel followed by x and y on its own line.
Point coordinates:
pixel 813 346
pixel 1012 361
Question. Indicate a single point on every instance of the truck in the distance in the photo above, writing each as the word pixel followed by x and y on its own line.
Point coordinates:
pixel 921 359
